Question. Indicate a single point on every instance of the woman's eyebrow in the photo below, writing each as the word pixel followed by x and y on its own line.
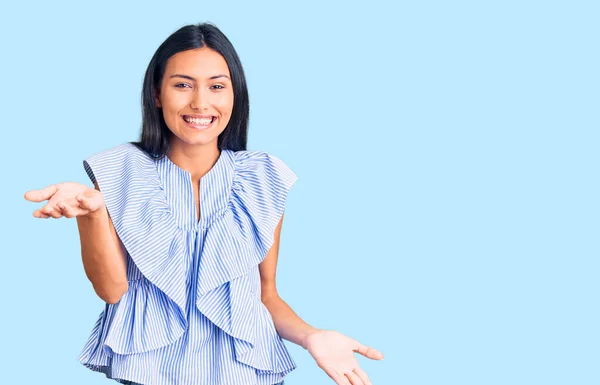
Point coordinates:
pixel 191 78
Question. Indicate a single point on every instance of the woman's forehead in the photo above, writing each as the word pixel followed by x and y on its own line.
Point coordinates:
pixel 197 63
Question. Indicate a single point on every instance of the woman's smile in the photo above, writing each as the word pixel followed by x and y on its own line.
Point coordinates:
pixel 199 122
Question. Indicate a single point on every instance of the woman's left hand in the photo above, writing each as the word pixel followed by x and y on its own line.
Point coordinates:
pixel 334 353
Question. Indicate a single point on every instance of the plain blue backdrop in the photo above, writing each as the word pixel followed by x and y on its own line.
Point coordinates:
pixel 446 211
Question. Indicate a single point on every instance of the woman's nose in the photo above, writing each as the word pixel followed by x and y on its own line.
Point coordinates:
pixel 200 99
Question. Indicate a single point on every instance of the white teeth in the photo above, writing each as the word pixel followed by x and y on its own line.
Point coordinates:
pixel 198 121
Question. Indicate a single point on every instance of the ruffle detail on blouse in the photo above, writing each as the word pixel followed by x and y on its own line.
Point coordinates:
pixel 134 329
pixel 127 327
pixel 139 211
pixel 269 354
pixel 228 283
pixel 235 244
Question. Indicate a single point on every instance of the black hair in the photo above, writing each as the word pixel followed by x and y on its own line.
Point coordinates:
pixel 155 136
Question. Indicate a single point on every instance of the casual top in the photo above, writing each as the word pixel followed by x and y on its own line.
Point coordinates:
pixel 193 313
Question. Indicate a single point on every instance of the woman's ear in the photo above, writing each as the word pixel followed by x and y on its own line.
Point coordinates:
pixel 157 100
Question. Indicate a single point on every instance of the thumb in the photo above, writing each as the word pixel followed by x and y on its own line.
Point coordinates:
pixel 369 352
pixel 41 195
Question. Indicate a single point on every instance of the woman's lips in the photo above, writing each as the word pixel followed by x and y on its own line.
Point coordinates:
pixel 199 126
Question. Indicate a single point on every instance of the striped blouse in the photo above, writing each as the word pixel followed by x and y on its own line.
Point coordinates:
pixel 193 313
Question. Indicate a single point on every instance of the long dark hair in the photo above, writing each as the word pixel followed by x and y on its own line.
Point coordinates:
pixel 155 136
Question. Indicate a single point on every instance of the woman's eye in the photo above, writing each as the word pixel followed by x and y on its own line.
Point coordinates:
pixel 218 85
pixel 178 85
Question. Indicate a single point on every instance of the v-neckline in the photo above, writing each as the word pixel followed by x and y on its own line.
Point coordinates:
pixel 199 216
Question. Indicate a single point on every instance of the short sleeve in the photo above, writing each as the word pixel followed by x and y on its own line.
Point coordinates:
pixel 261 186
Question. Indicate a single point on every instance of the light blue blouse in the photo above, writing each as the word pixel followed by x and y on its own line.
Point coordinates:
pixel 193 313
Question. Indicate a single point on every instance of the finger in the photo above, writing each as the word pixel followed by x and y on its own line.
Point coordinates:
pixel 368 352
pixel 363 376
pixel 41 195
pixel 335 376
pixel 67 210
pixel 51 211
pixel 56 213
pixel 84 202
pixel 354 379
pixel 40 214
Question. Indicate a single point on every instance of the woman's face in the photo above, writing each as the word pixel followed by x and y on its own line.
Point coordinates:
pixel 196 96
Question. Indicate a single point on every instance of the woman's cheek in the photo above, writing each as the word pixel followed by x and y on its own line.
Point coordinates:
pixel 226 103
pixel 178 101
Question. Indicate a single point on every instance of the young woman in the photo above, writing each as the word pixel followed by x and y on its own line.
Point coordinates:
pixel 180 236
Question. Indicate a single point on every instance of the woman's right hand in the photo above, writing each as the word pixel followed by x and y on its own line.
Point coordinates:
pixel 68 199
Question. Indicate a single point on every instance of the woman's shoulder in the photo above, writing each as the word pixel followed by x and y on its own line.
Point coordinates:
pixel 255 169
pixel 259 161
pixel 119 151
pixel 124 161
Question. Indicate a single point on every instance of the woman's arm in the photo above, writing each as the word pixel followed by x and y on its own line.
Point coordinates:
pixel 332 351
pixel 103 255
pixel 287 323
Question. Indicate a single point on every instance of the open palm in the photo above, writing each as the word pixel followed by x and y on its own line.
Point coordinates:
pixel 334 353
pixel 68 199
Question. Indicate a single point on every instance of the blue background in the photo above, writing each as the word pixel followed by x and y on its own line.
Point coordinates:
pixel 447 208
